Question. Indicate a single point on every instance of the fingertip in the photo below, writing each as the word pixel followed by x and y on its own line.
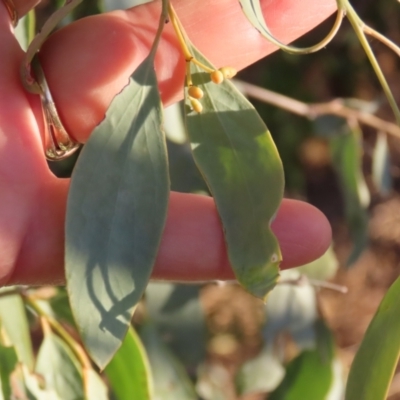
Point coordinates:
pixel 303 231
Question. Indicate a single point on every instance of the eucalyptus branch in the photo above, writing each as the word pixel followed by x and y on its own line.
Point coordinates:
pixel 313 110
pixel 304 280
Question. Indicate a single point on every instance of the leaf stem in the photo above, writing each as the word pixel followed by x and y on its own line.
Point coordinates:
pixel 182 42
pixel 359 27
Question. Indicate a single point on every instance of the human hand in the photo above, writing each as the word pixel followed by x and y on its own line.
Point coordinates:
pixel 86 64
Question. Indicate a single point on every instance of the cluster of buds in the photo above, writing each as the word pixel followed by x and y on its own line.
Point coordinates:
pixel 217 76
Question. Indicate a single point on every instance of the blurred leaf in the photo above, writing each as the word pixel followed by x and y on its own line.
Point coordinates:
pixel 129 370
pixel 8 362
pixel 177 312
pixel 34 387
pixel 13 320
pixel 95 388
pixel 111 5
pixel 261 374
pixel 59 368
pixel 213 380
pixel 171 381
pixel 292 308
pixel 323 268
pixel 381 165
pixel 117 208
pixel 377 357
pixel 328 126
pixel 25 30
pixel 174 124
pixel 239 161
pixel 346 152
pixel 309 376
pixel 60 306
pixel 87 8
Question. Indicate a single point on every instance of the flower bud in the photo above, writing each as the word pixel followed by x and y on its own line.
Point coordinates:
pixel 195 92
pixel 217 77
pixel 196 105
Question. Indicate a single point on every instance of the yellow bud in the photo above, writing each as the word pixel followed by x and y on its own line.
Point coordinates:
pixel 228 72
pixel 195 92
pixel 196 105
pixel 217 77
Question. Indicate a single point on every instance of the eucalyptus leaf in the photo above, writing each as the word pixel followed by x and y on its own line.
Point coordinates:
pixel 59 367
pixel 377 357
pixel 239 161
pixel 291 308
pixel 13 320
pixel 310 375
pixel 381 165
pixel 116 212
pixel 179 317
pixel 253 11
pixel 95 388
pixel 346 149
pixel 323 268
pixel 129 371
pixel 260 374
pixel 8 362
pixel 171 381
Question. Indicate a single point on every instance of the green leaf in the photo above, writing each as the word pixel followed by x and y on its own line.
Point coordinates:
pixel 240 163
pixel 261 374
pixel 377 357
pixel 95 388
pixel 381 164
pixel 8 362
pixel 310 375
pixel 129 370
pixel 323 268
pixel 346 149
pixel 59 367
pixel 171 381
pixel 291 308
pixel 13 320
pixel 179 316
pixel 116 212
pixel 34 387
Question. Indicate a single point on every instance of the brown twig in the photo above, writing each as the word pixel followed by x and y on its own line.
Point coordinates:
pixel 313 110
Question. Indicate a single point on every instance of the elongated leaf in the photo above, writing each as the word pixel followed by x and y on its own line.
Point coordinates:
pixel 59 367
pixel 129 371
pixel 346 151
pixel 240 163
pixel 13 320
pixel 381 165
pixel 8 362
pixel 95 388
pixel 178 315
pixel 310 375
pixel 171 381
pixel 116 212
pixel 261 374
pixel 377 357
pixel 323 268
pixel 291 308
pixel 34 387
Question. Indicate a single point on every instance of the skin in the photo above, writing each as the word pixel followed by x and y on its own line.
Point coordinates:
pixel 86 64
